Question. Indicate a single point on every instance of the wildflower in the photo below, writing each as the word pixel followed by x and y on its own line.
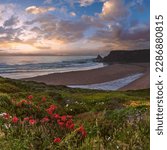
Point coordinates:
pixel 45 119
pixel 57 140
pixel 32 121
pixel 30 97
pixel 49 111
pixel 63 118
pixel 26 119
pixel 69 116
pixel 15 119
pixel 69 124
pixel 43 99
pixel 53 107
pixel 6 116
pixel 82 131
pixel 60 123
pixel 56 116
pixel 72 126
pixel 23 101
pixel 21 122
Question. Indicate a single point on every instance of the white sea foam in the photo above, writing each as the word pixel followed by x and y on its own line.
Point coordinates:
pixel 17 67
pixel 112 85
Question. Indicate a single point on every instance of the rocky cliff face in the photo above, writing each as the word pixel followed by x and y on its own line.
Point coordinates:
pixel 133 56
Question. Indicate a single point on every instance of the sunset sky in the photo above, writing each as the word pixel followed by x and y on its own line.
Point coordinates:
pixel 67 27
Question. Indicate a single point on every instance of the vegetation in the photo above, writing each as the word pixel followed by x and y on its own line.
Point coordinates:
pixel 100 120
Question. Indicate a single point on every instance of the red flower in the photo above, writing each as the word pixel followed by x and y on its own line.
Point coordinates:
pixel 63 118
pixel 82 131
pixel 72 126
pixel 23 101
pixel 30 97
pixel 43 99
pixel 57 140
pixel 69 116
pixel 15 119
pixel 60 123
pixel 56 116
pixel 45 119
pixel 6 116
pixel 53 107
pixel 32 121
pixel 26 119
pixel 49 111
pixel 69 124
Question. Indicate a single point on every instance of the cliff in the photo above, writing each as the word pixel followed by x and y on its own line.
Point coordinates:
pixel 128 56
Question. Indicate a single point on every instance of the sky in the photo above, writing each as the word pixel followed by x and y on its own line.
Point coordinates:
pixel 73 27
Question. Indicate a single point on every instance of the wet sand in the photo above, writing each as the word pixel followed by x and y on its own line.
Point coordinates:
pixel 99 75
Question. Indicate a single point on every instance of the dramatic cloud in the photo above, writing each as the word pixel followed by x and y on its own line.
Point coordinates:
pixel 11 21
pixel 116 37
pixel 99 26
pixel 113 9
pixel 39 10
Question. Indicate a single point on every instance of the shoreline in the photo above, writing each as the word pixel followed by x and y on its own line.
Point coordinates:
pixel 99 75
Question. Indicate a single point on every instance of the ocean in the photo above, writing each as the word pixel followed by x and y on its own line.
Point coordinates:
pixel 17 67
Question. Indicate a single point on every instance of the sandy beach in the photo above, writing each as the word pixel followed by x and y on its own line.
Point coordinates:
pixel 99 75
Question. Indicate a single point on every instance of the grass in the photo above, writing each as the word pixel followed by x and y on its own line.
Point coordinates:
pixel 113 119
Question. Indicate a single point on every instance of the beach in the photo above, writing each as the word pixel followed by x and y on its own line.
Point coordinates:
pixel 100 75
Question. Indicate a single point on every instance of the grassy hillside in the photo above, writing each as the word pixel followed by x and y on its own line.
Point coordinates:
pixel 112 120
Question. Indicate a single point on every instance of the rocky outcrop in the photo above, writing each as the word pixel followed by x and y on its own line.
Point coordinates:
pixel 98 59
pixel 130 56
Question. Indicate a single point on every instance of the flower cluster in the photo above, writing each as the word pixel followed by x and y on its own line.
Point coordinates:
pixel 49 116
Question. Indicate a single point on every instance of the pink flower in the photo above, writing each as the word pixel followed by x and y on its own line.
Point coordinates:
pixel 32 121
pixel 30 97
pixel 63 118
pixel 53 107
pixel 57 140
pixel 45 119
pixel 26 119
pixel 49 111
pixel 69 116
pixel 15 119
pixel 43 99
pixel 23 101
pixel 56 116
pixel 60 123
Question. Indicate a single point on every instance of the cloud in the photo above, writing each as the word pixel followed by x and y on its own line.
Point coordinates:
pixel 84 3
pixel 47 1
pixel 39 10
pixel 11 21
pixel 113 10
pixel 10 34
pixel 118 38
pixel 73 14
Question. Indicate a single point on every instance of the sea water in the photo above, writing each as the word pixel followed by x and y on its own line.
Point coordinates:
pixel 17 67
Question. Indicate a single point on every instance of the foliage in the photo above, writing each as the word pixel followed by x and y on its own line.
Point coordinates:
pixel 111 119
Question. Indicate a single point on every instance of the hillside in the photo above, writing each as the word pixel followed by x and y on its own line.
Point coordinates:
pixel 127 56
pixel 111 119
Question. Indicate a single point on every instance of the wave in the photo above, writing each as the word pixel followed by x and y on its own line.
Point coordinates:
pixel 39 67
